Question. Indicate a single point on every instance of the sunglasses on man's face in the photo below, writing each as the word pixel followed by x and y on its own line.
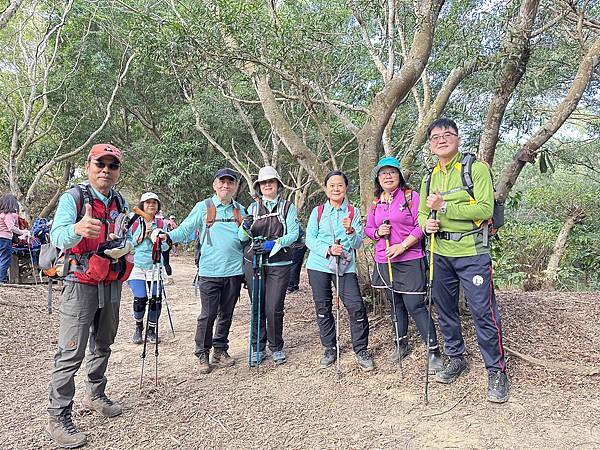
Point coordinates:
pixel 102 165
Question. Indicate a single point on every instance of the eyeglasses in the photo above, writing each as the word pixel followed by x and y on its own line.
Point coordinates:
pixel 383 173
pixel 102 165
pixel 436 137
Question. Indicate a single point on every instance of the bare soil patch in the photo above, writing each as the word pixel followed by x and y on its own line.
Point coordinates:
pixel 296 405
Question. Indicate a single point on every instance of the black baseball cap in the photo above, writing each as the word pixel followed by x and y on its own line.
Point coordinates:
pixel 227 172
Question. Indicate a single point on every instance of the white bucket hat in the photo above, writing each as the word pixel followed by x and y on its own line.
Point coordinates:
pixel 266 173
pixel 149 196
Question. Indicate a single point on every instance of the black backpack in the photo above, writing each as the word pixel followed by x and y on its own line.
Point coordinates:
pixel 466 166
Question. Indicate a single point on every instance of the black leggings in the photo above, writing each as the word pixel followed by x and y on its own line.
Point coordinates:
pixel 166 263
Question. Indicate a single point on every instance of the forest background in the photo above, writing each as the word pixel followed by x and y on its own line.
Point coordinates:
pixel 184 87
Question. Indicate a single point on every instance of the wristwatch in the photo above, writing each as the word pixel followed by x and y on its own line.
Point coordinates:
pixel 443 208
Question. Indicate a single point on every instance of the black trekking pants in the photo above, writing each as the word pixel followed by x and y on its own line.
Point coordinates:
pixel 349 291
pixel 273 284
pixel 218 296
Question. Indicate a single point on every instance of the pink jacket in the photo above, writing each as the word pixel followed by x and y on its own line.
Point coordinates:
pixel 7 222
pixel 403 221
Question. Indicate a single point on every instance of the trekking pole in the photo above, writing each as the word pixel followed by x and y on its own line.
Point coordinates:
pixel 156 296
pixel 164 296
pixel 260 265
pixel 394 316
pixel 31 260
pixel 338 368
pixel 146 331
pixel 429 296
pixel 252 299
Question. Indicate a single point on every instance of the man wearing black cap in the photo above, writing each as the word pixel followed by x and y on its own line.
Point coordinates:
pixel 220 268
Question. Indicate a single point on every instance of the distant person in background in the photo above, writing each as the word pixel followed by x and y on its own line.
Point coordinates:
pixel 171 225
pixel 9 220
pixel 299 250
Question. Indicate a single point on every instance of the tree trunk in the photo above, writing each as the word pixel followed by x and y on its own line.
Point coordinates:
pixel 527 153
pixel 49 208
pixel 575 216
pixel 515 48
pixel 387 100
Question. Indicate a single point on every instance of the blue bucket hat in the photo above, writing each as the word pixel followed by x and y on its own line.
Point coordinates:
pixel 386 161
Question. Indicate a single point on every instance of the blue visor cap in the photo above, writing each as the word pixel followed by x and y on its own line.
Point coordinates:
pixel 386 161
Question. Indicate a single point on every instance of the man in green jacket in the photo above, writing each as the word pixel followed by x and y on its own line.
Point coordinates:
pixel 458 221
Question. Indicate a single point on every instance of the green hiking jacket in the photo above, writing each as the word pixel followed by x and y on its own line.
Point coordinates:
pixel 463 213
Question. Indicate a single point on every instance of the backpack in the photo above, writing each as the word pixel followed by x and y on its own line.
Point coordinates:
pixel 281 212
pixel 321 207
pixel 41 229
pixel 141 222
pixel 497 219
pixel 211 214
pixel 54 262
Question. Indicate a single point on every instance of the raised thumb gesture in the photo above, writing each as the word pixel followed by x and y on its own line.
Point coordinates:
pixel 88 227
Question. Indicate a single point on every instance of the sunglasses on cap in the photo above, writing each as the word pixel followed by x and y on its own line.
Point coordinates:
pixel 102 165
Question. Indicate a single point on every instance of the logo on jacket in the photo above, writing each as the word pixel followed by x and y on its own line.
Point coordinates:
pixel 113 214
pixel 477 280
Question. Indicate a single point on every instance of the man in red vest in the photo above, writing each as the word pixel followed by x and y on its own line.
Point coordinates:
pixel 90 218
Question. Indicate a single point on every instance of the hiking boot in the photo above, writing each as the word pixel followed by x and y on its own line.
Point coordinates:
pixel 497 387
pixel 436 363
pixel 62 431
pixel 103 405
pixel 328 358
pixel 137 334
pixel 221 358
pixel 151 335
pixel 400 352
pixel 170 280
pixel 261 357
pixel 456 366
pixel 279 357
pixel 204 363
pixel 364 360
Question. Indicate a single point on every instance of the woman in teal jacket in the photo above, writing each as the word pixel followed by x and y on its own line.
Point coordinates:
pixel 143 277
pixel 333 233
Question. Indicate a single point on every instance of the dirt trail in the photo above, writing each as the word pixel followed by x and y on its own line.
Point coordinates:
pixel 296 405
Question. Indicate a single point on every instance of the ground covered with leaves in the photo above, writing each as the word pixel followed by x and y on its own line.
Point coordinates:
pixel 554 366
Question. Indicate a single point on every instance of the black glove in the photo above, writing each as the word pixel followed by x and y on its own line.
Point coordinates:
pixel 257 247
pixel 247 222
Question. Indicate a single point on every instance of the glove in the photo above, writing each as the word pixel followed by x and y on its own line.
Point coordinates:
pixel 260 247
pixel 157 234
pixel 268 246
pixel 115 248
pixel 247 222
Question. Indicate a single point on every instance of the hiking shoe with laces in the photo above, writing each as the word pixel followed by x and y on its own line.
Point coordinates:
pixel 279 357
pixel 328 358
pixel 497 387
pixel 456 366
pixel 221 358
pixel 137 334
pixel 204 364
pixel 62 431
pixel 436 363
pixel 261 357
pixel 151 335
pixel 400 352
pixel 103 405
pixel 364 360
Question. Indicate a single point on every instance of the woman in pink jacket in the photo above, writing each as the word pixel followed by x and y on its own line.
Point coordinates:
pixel 392 224
pixel 9 224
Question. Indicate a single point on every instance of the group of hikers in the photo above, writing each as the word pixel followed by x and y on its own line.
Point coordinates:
pixel 257 244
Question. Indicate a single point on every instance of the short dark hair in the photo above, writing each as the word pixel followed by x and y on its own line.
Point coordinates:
pixel 9 204
pixel 377 189
pixel 334 173
pixel 443 123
